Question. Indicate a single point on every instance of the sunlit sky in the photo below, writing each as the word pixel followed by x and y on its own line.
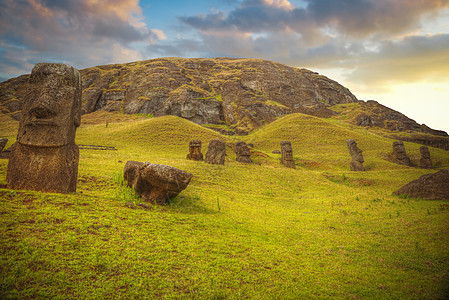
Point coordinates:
pixel 393 51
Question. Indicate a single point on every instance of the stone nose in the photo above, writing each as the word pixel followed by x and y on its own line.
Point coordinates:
pixel 41 111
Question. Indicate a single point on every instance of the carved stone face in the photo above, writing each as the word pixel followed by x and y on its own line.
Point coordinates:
pixel 51 112
pixel 425 153
pixel 399 150
pixel 241 149
pixel 195 146
pixel 286 150
pixel 356 152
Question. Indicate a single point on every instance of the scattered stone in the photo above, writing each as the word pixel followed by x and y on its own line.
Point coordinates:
pixel 276 152
pixel 356 154
pixel 251 145
pixel 287 154
pixel 45 156
pixel 3 143
pixel 144 205
pixel 429 186
pixel 195 150
pixel 426 162
pixel 243 153
pixel 155 183
pixel 399 154
pixel 216 152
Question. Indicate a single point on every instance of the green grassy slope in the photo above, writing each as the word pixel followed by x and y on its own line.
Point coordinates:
pixel 238 231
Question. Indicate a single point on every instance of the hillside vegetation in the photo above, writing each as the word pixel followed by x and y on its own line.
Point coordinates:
pixel 238 231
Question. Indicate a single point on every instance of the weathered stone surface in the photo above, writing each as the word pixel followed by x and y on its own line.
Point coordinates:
pixel 245 93
pixel 243 153
pixel 195 150
pixel 356 155
pixel 3 142
pixel 276 152
pixel 426 162
pixel 430 186
pixel 399 154
pixel 45 156
pixel 216 152
pixel 287 154
pixel 155 183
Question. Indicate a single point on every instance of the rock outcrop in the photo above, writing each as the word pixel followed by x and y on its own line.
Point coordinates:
pixel 45 156
pixel 244 93
pixel 430 186
pixel 155 183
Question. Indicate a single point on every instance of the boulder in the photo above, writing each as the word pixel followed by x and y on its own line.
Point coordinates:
pixel 399 154
pixel 429 186
pixel 356 155
pixel 287 154
pixel 243 153
pixel 425 161
pixel 155 183
pixel 45 156
pixel 195 150
pixel 216 152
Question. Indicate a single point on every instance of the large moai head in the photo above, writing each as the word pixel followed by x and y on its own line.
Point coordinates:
pixel 287 154
pixel 356 155
pixel 399 154
pixel 426 162
pixel 195 150
pixel 52 109
pixel 45 156
pixel 216 152
pixel 242 153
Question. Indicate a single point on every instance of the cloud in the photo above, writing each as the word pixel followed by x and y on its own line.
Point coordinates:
pixel 79 32
pixel 374 40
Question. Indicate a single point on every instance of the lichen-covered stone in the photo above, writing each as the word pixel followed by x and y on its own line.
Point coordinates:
pixel 45 156
pixel 242 152
pixel 155 183
pixel 287 154
pixel 356 155
pixel 216 152
pixel 195 150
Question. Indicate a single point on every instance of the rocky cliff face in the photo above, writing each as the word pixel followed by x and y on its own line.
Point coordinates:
pixel 243 93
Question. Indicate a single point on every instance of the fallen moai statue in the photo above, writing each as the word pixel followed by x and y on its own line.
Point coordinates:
pixel 429 186
pixel 155 183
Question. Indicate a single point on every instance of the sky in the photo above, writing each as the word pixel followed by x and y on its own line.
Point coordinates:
pixel 393 51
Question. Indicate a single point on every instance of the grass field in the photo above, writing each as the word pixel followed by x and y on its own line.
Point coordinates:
pixel 238 231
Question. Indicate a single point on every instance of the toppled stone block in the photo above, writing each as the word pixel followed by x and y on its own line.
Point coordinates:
pixel 155 183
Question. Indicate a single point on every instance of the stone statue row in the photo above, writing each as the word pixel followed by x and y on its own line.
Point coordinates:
pixel 399 156
pixel 216 152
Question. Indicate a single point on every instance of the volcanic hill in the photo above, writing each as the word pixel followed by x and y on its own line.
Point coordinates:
pixel 237 95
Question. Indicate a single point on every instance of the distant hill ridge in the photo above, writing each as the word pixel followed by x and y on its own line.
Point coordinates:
pixel 243 94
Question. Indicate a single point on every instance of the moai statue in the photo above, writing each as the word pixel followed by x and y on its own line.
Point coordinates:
pixel 399 154
pixel 356 154
pixel 287 154
pixel 195 150
pixel 3 142
pixel 216 152
pixel 45 156
pixel 243 153
pixel 426 162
